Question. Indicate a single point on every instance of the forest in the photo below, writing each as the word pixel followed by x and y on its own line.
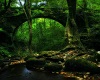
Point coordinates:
pixel 59 37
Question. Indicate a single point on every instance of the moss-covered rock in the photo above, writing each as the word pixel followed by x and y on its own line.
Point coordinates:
pixel 34 62
pixel 48 53
pixel 73 60
pixel 26 58
pixel 95 58
pixel 82 65
pixel 31 56
pixel 45 55
pixel 53 67
pixel 55 59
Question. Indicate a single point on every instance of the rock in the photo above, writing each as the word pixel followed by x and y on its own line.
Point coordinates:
pixel 53 67
pixel 80 65
pixel 55 59
pixel 34 62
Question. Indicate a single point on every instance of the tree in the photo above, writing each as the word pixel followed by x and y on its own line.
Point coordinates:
pixel 71 27
pixel 29 18
pixel 85 15
pixel 6 6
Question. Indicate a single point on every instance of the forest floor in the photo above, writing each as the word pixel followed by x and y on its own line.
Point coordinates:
pixel 55 56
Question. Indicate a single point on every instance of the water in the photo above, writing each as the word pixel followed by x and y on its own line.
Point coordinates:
pixel 20 72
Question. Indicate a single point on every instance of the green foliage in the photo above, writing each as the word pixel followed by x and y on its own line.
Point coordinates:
pixel 57 4
pixel 4 52
pixel 94 4
pixel 91 4
pixel 47 35
pixel 1 29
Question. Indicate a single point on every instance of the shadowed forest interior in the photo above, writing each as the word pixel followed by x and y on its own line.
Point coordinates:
pixel 59 37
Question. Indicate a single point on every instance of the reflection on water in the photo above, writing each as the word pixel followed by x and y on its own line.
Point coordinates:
pixel 25 71
pixel 20 72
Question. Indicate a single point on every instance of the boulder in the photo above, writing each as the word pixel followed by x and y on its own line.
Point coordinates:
pixel 53 67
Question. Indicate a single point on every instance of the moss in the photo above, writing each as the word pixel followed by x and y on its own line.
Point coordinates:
pixel 55 59
pixel 80 65
pixel 34 62
pixel 28 57
pixel 94 58
pixel 53 67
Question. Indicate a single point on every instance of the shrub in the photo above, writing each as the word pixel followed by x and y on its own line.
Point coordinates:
pixel 4 52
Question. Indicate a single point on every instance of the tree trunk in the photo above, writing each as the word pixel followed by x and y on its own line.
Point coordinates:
pixel 7 5
pixel 71 27
pixel 85 16
pixel 29 18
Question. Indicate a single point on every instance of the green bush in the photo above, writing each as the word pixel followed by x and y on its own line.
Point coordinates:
pixel 4 52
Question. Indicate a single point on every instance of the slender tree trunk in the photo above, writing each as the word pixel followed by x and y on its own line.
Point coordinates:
pixel 7 5
pixel 85 16
pixel 29 18
pixel 30 26
pixel 40 31
pixel 71 27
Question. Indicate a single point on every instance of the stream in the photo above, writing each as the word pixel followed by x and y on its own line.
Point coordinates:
pixel 20 72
